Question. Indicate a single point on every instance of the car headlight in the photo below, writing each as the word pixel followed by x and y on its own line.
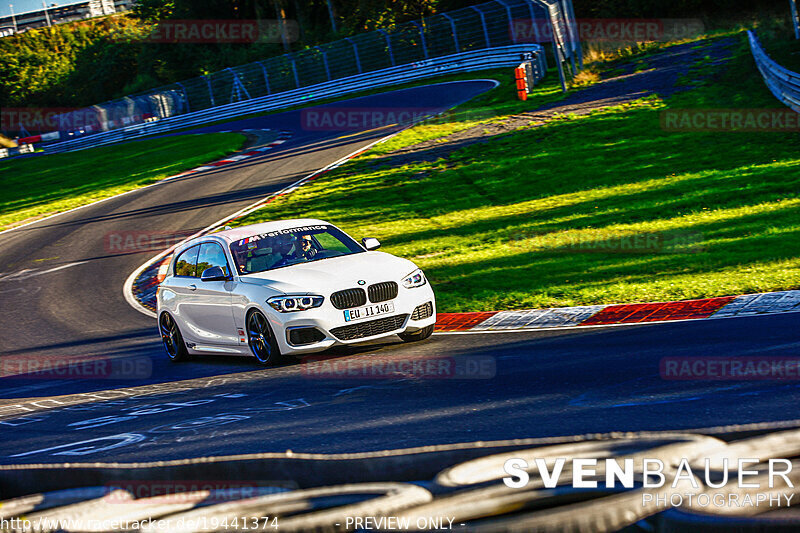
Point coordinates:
pixel 415 279
pixel 290 304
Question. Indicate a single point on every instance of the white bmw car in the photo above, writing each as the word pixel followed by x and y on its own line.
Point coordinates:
pixel 288 288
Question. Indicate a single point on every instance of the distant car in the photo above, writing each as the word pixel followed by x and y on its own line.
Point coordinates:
pixel 287 288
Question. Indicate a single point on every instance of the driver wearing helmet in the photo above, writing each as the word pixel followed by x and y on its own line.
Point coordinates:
pixel 282 246
pixel 306 248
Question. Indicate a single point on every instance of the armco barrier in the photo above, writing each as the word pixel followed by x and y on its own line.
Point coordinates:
pixel 488 26
pixel 783 83
pixel 506 56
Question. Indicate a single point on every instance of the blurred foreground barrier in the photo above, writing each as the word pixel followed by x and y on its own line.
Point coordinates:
pixel 434 487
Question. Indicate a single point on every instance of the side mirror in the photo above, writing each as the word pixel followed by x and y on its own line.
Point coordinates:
pixel 214 274
pixel 371 243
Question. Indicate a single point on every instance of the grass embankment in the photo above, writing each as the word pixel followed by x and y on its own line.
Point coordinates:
pixel 38 186
pixel 604 208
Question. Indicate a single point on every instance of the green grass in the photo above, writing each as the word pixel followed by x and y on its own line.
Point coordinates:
pixel 38 186
pixel 492 106
pixel 527 219
pixel 777 38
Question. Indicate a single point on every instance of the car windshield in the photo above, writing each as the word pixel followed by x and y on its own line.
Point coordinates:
pixel 286 247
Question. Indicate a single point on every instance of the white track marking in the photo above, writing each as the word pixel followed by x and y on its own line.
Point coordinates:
pixel 32 273
pixel 159 182
pixel 123 440
pixel 127 288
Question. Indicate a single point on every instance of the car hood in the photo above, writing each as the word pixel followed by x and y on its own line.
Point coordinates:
pixel 330 275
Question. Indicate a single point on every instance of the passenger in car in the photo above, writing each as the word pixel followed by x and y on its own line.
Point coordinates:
pixel 307 249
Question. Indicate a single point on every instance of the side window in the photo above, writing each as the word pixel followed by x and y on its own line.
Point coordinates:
pixel 187 262
pixel 329 242
pixel 211 255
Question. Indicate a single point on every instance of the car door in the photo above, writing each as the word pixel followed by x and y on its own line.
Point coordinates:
pixel 183 283
pixel 207 305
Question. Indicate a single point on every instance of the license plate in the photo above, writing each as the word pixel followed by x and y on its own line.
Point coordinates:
pixel 368 311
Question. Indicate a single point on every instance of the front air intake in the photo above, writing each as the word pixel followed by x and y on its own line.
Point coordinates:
pixel 380 292
pixel 368 329
pixel 349 298
pixel 422 311
pixel 304 335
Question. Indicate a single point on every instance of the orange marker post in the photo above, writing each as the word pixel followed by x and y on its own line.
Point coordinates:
pixel 522 83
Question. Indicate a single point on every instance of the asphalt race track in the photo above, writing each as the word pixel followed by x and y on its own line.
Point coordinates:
pixel 61 296
pixel 78 311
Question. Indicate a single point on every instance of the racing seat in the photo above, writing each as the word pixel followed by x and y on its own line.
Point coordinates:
pixel 260 260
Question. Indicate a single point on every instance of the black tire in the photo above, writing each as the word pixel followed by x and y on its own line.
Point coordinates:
pixel 420 335
pixel 261 339
pixel 172 339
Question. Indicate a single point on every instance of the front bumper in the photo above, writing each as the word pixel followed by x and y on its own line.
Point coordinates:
pixel 334 330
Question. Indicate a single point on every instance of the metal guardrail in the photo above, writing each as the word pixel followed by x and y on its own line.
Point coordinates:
pixel 466 61
pixel 782 82
pixel 493 25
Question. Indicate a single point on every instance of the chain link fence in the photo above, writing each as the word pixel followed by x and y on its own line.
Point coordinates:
pixel 483 26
